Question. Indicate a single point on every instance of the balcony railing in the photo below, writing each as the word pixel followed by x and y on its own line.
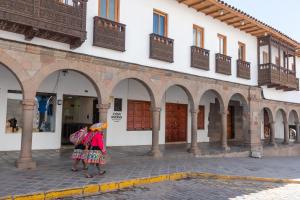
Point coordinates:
pixel 199 58
pixel 109 34
pixel 275 76
pixel 223 64
pixel 47 19
pixel 243 69
pixel 161 48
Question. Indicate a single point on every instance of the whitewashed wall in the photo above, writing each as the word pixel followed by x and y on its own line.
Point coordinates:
pixel 181 20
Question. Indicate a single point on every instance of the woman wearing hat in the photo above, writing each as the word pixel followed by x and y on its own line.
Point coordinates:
pixel 96 149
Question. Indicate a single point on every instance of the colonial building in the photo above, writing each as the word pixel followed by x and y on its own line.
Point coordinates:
pixel 187 71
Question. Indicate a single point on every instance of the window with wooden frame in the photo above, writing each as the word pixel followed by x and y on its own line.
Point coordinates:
pixel 242 51
pixel 265 57
pixel 198 36
pixel 109 9
pixel 160 23
pixel 201 117
pixel 222 44
pixel 139 115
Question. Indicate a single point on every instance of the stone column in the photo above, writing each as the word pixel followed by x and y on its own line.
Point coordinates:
pixel 272 136
pixel 103 109
pixel 224 130
pixel 286 133
pixel 155 152
pixel 297 132
pixel 25 159
pixel 194 149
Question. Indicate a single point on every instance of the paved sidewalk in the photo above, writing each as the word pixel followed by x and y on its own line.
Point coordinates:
pixel 53 170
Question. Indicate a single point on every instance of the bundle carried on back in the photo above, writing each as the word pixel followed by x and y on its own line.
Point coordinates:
pixel 77 137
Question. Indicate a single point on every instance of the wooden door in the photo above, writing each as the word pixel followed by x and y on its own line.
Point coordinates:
pixel 230 123
pixel 176 122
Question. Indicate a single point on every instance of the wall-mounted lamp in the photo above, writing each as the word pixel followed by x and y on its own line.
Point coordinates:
pixel 242 22
pixel 221 12
pixel 59 102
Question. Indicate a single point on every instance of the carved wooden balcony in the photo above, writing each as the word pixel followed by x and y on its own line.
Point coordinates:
pixel 199 58
pixel 109 34
pixel 47 19
pixel 243 69
pixel 268 74
pixel 223 64
pixel 161 48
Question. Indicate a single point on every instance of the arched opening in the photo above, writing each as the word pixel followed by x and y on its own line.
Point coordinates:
pixel 176 103
pixel 11 115
pixel 293 121
pixel 238 121
pixel 209 118
pixel 280 120
pixel 130 115
pixel 266 126
pixel 66 100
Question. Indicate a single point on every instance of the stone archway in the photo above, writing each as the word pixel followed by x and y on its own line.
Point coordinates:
pixel 214 122
pixel 267 126
pixel 238 120
pixel 177 100
pixel 293 122
pixel 281 125
pixel 140 111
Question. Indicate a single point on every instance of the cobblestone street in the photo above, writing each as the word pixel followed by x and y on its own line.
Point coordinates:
pixel 211 189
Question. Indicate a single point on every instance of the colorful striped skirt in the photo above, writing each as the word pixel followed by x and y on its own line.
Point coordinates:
pixel 95 156
pixel 78 153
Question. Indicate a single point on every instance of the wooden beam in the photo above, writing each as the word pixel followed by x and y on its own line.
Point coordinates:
pixel 234 22
pixel 196 3
pixel 212 12
pixel 205 7
pixel 250 26
pixel 220 16
pixel 228 18
pixel 241 25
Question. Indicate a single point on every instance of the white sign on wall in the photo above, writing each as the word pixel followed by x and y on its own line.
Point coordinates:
pixel 116 116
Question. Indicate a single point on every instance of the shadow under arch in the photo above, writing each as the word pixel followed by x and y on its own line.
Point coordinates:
pixel 14 74
pixel 141 81
pixel 44 73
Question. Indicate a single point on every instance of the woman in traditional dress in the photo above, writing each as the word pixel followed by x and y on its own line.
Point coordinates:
pixel 79 150
pixel 96 149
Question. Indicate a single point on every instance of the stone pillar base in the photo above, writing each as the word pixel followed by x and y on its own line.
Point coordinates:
pixel 156 153
pixel 25 164
pixel 286 143
pixel 226 148
pixel 195 151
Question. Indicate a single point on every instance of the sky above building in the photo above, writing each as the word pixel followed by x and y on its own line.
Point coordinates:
pixel 282 15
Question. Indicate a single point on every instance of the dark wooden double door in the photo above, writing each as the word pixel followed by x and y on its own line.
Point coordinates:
pixel 176 122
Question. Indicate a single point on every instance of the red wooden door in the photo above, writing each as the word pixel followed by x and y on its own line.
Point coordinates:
pixel 176 122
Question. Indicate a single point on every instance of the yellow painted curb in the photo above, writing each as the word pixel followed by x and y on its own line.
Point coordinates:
pixel 108 187
pixel 249 178
pixel 6 198
pixel 36 196
pixel 91 189
pixel 63 193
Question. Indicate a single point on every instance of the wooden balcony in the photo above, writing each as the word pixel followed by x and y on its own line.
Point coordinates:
pixel 243 69
pixel 47 19
pixel 199 58
pixel 223 64
pixel 273 75
pixel 109 34
pixel 161 48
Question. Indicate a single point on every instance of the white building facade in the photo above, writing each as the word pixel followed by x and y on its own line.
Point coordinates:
pixel 165 71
